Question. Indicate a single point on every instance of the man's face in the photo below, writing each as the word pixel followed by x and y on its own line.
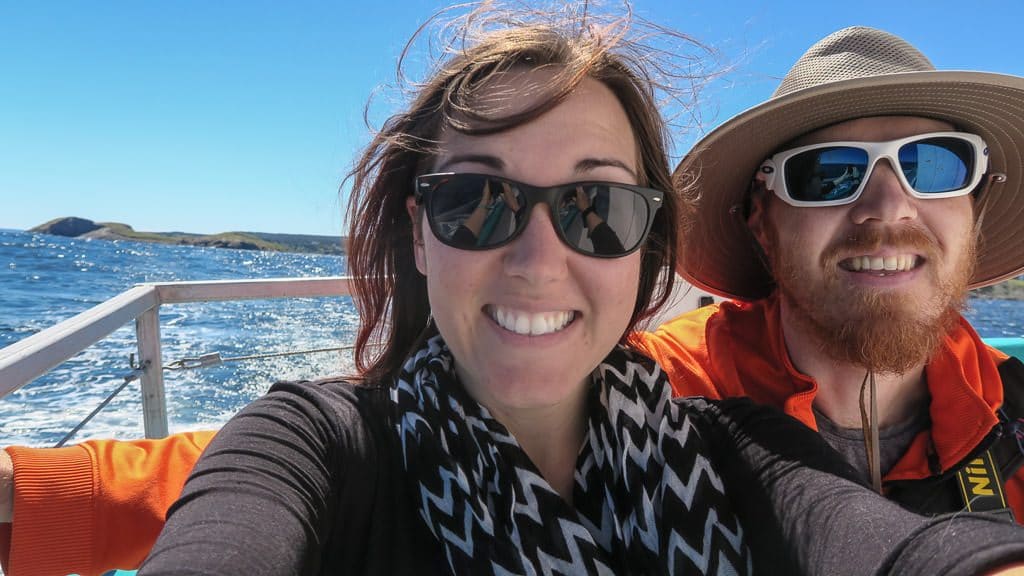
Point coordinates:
pixel 879 281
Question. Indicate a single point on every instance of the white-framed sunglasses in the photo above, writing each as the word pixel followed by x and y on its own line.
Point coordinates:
pixel 933 165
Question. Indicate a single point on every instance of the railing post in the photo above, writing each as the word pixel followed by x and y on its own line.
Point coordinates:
pixel 154 400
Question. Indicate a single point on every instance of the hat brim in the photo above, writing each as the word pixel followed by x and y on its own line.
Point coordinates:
pixel 717 252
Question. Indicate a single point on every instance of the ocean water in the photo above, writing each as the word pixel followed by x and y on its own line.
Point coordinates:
pixel 46 279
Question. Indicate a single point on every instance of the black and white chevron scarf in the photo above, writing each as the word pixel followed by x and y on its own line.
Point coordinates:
pixel 646 499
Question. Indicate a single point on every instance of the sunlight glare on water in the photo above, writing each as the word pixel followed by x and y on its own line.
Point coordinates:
pixel 47 279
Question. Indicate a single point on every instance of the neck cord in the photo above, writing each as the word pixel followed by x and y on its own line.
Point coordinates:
pixel 869 425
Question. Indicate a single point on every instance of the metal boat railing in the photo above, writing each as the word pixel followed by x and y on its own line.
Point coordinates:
pixel 30 358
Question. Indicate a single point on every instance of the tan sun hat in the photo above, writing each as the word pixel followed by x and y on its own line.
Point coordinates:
pixel 852 73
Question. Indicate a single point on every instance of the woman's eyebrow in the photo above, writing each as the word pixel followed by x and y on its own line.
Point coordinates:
pixel 582 167
pixel 484 159
pixel 588 164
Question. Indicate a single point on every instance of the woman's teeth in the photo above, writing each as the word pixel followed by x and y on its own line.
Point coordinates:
pixel 900 263
pixel 526 323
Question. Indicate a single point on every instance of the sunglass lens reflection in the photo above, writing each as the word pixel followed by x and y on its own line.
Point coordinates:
pixel 614 223
pixel 826 173
pixel 475 212
pixel 937 165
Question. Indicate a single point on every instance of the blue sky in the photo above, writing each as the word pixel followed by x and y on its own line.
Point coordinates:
pixel 207 117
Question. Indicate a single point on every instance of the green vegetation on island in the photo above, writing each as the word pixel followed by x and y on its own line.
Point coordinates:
pixel 1012 289
pixel 74 227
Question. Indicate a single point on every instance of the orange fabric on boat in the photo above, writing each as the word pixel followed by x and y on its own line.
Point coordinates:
pixel 94 506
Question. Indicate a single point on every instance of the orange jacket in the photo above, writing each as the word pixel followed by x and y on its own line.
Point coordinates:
pixel 107 499
pixel 737 349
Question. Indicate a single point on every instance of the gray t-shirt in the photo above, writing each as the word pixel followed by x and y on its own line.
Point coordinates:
pixel 893 441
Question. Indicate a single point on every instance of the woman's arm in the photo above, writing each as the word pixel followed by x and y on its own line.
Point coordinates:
pixel 261 499
pixel 801 508
pixel 475 222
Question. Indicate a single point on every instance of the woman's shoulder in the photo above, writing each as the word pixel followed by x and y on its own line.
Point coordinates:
pixel 341 410
pixel 763 433
pixel 340 391
pixel 735 413
pixel 736 420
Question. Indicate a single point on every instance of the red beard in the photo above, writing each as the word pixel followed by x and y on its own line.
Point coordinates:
pixel 881 330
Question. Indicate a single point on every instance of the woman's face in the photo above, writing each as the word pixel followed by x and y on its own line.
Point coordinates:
pixel 581 305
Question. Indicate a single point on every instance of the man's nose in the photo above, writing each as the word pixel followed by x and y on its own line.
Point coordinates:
pixel 884 198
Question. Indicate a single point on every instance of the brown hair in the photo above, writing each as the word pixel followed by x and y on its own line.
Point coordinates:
pixel 389 292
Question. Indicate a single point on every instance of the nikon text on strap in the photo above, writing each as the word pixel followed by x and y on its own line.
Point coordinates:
pixel 976 483
pixel 981 478
pixel 982 487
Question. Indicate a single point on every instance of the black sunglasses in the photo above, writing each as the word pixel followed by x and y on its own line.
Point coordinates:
pixel 480 212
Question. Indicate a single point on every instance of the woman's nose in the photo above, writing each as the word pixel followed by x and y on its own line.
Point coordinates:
pixel 538 255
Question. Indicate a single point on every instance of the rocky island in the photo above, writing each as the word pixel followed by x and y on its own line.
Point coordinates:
pixel 74 227
pixel 1012 289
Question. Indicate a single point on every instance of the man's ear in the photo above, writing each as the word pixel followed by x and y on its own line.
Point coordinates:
pixel 757 216
pixel 417 234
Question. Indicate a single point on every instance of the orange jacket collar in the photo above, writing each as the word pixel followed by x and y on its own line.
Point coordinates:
pixel 748 356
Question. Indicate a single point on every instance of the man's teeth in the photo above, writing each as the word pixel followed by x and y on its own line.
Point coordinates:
pixel 526 323
pixel 900 263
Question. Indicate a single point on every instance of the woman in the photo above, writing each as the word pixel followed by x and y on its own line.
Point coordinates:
pixel 501 426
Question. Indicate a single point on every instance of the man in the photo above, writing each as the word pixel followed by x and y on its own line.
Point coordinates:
pixel 852 315
pixel 850 304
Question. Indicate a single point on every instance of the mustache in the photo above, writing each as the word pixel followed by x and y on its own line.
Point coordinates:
pixel 868 239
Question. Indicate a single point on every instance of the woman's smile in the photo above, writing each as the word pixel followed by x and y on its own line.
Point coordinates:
pixel 529 323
